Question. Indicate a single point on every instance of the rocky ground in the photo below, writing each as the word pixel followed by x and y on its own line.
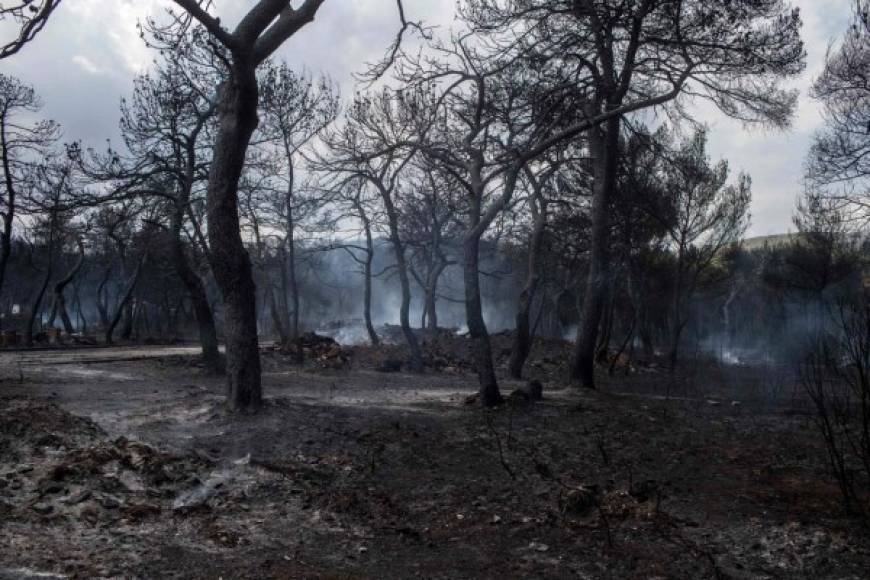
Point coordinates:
pixel 123 463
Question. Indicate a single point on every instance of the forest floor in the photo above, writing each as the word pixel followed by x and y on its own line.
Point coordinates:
pixel 123 462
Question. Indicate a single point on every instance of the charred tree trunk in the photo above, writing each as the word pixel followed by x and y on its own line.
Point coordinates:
pixel 125 299
pixel 36 305
pixel 523 338
pixel 59 299
pixel 678 319
pixel 208 338
pixel 415 362
pixel 603 145
pixel 275 312
pixel 290 245
pixel 367 273
pixel 103 298
pixel 606 332
pixel 431 307
pixel 490 396
pixel 282 306
pixel 129 319
pixel 231 264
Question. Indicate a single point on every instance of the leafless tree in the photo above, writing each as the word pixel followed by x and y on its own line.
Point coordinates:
pixel 538 181
pixel 375 144
pixel 23 144
pixel 430 211
pixel 295 108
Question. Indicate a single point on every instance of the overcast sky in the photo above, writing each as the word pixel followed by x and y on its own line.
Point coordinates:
pixel 86 58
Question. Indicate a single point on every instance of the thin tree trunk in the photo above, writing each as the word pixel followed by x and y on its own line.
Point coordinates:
pixel 415 362
pixel 36 305
pixel 103 298
pixel 367 273
pixel 59 299
pixel 523 336
pixel 275 311
pixel 125 299
pixel 290 245
pixel 283 306
pixel 202 311
pixel 231 264
pixel 477 332
pixel 603 145
pixel 677 322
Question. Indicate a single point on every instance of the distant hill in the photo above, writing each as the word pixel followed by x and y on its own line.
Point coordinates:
pixel 771 241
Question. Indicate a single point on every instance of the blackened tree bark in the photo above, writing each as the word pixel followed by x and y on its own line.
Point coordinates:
pixel 292 278
pixel 36 305
pixel 367 274
pixel 102 297
pixel 125 298
pixel 59 307
pixel 415 360
pixel 604 148
pixel 489 393
pixel 195 287
pixel 523 336
pixel 231 265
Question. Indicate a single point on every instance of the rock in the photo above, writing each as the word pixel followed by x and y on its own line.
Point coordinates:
pixel 42 508
pixel 109 502
pixel 78 497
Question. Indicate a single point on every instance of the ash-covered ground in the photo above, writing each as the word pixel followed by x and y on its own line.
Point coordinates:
pixel 123 463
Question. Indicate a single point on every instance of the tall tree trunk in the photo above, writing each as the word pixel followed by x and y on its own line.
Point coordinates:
pixel 231 264
pixel 125 299
pixel 290 245
pixel 36 305
pixel 130 310
pixel 275 312
pixel 283 307
pixel 294 289
pixel 523 337
pixel 193 283
pixel 415 362
pixel 678 319
pixel 59 299
pixel 604 147
pixel 103 298
pixel 367 273
pixel 490 395
pixel 431 306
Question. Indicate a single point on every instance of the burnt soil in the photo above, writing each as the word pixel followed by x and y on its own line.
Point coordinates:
pixel 124 463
